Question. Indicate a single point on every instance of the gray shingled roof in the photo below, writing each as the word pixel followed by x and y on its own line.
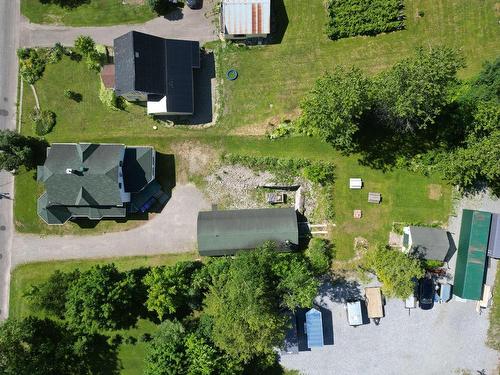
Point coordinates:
pixel 430 243
pixel 226 232
pixel 82 180
pixel 94 177
pixel 157 66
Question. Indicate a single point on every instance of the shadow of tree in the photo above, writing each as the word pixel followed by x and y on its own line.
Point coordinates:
pixel 70 4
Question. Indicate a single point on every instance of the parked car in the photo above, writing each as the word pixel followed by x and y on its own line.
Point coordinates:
pixel 426 293
pixel 194 4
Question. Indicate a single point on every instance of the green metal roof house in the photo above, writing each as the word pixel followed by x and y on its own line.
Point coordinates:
pixel 93 181
pixel 471 258
pixel 226 232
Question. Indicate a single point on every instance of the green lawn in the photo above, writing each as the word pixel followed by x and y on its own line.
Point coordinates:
pixel 272 79
pixel 95 13
pixel 405 194
pixel 24 276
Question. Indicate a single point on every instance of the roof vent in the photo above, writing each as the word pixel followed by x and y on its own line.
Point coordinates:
pixel 136 54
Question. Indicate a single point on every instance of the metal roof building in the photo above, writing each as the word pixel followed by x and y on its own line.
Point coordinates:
pixel 494 243
pixel 246 18
pixel 426 243
pixel 314 328
pixel 226 232
pixel 471 258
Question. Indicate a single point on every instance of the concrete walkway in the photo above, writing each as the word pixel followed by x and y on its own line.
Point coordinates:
pixel 171 231
pixel 182 24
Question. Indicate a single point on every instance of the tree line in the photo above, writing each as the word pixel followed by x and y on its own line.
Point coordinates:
pixel 225 316
pixel 418 114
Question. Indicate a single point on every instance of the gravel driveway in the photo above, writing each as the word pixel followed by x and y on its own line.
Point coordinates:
pixel 184 24
pixel 171 231
pixel 445 340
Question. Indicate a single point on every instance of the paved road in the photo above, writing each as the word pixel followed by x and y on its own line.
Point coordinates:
pixel 9 16
pixel 191 25
pixel 174 230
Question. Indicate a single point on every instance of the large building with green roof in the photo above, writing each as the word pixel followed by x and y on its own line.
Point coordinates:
pixel 95 181
pixel 226 232
pixel 471 258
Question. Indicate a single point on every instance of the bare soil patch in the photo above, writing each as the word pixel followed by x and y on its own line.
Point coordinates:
pixel 435 191
pixel 193 158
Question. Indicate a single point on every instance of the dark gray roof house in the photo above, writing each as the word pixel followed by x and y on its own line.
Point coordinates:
pixel 94 181
pixel 156 70
pixel 427 243
pixel 226 232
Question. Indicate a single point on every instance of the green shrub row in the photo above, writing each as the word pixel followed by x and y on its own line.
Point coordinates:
pixel 363 17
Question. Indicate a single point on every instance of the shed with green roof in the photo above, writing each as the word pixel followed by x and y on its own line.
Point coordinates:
pixel 226 232
pixel 471 258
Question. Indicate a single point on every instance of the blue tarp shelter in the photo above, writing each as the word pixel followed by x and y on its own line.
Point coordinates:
pixel 314 328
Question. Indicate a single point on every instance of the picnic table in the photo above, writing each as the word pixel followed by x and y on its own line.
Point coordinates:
pixel 374 197
pixel 355 183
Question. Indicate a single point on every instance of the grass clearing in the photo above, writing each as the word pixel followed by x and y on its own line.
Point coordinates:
pixel 23 276
pixel 95 13
pixel 406 196
pixel 273 78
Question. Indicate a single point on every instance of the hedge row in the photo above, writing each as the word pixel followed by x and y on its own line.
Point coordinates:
pixel 363 17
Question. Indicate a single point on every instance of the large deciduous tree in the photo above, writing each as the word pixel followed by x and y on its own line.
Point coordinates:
pixel 51 296
pixel 414 91
pixel 16 150
pixel 246 297
pixel 44 347
pixel 333 108
pixel 165 353
pixel 172 290
pixel 102 298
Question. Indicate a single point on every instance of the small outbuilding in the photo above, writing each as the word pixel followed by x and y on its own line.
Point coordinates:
pixel 314 329
pixel 494 243
pixel 242 19
pixel 471 258
pixel 426 243
pixel 226 232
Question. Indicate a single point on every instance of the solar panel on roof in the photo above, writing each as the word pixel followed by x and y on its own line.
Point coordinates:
pixel 314 328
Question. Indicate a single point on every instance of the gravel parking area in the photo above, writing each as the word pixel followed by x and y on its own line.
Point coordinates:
pixel 449 339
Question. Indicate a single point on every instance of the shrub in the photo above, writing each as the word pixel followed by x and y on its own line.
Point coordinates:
pixel 94 60
pixel 56 53
pixel 77 97
pixel 267 162
pixel 108 97
pixel 282 130
pixel 318 254
pixel 84 44
pixel 43 121
pixel 31 64
pixel 363 17
pixel 395 269
pixel 320 172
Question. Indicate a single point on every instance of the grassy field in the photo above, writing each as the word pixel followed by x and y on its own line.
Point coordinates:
pixel 24 276
pixel 405 194
pixel 272 79
pixel 94 13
